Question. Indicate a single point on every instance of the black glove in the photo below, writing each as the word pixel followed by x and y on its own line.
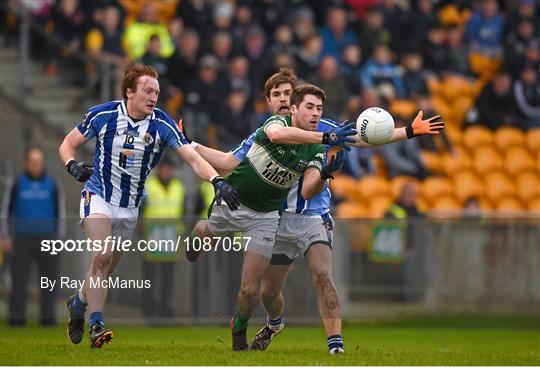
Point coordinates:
pixel 335 164
pixel 82 171
pixel 340 136
pixel 182 129
pixel 227 192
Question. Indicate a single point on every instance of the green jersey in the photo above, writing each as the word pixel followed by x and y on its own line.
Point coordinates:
pixel 263 178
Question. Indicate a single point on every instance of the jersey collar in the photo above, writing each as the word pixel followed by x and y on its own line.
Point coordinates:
pixel 122 109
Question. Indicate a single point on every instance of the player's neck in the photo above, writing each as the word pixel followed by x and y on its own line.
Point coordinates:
pixel 132 114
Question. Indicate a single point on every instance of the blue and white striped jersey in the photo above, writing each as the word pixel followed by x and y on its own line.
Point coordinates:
pixel 316 206
pixel 126 151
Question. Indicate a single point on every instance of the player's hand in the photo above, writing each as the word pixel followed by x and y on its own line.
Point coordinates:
pixel 340 136
pixel 82 171
pixel 335 164
pixel 227 192
pixel 419 126
pixel 182 129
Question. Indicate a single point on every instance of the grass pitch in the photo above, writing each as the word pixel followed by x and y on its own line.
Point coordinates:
pixel 450 341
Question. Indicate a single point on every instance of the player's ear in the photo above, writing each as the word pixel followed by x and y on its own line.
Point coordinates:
pixel 293 109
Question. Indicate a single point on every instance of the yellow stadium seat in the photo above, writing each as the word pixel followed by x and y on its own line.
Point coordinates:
pixel 345 186
pixel 527 186
pixel 534 205
pixel 486 159
pixel 371 186
pixel 460 106
pixel 485 67
pixel 352 209
pixel 533 141
pixel 485 204
pixel 379 205
pixel 507 136
pixel 454 162
pixel 423 205
pixel 398 182
pixel 435 187
pixel 441 105
pixel 446 202
pixel 434 86
pixel 455 86
pixel 432 161
pixel 509 204
pixel 476 136
pixel 518 160
pixel 403 108
pixel 380 165
pixel 497 185
pixel 454 133
pixel 466 185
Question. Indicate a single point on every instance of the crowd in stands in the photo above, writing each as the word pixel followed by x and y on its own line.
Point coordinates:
pixel 472 62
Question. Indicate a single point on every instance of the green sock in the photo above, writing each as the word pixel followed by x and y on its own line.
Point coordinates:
pixel 240 322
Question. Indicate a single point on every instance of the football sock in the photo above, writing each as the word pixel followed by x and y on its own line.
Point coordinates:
pixel 96 317
pixel 334 341
pixel 274 323
pixel 240 322
pixel 78 307
pixel 82 297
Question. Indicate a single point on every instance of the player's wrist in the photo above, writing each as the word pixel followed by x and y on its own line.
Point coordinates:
pixel 69 164
pixel 194 144
pixel 410 132
pixel 216 179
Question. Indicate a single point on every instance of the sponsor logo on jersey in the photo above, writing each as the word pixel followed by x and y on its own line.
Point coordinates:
pixel 301 165
pixel 277 175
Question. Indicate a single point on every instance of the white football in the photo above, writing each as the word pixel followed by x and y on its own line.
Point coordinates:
pixel 375 125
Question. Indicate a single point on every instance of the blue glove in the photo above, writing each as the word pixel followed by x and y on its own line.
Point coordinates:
pixel 340 136
pixel 82 171
pixel 335 164
pixel 224 190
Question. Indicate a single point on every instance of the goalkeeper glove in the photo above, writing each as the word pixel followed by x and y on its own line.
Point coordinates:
pixel 424 127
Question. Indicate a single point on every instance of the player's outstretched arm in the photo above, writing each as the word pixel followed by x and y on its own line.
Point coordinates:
pixel 223 162
pixel 314 179
pixel 205 171
pixel 431 126
pixel 82 171
pixel 339 136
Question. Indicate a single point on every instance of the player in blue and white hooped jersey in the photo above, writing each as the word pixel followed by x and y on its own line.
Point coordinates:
pixel 305 227
pixel 131 136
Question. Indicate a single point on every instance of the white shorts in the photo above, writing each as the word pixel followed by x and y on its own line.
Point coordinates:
pixel 297 232
pixel 261 227
pixel 123 220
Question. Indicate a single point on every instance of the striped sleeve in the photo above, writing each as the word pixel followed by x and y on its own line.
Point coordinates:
pixel 241 151
pixel 171 135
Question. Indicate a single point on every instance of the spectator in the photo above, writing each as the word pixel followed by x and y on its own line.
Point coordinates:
pixel 238 76
pixel 203 97
pixel 195 14
pixel 521 46
pixel 471 209
pixel 496 105
pixel 258 55
pixel 235 119
pixel 406 205
pixel 335 86
pixel 395 19
pixel 182 65
pixel 358 163
pixel 138 33
pixel 382 74
pixel 283 40
pixel 33 209
pixel 372 31
pixel 309 56
pixel 420 20
pixel 524 10
pixel 435 52
pixel 414 78
pixel 336 34
pixel 222 16
pixel 403 157
pixel 527 95
pixel 303 25
pixel 243 20
pixel 351 68
pixel 458 60
pixel 162 213
pixel 69 26
pixel 484 31
pixel 222 48
pixel 153 56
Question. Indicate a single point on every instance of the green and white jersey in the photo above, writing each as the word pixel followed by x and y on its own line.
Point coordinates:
pixel 263 178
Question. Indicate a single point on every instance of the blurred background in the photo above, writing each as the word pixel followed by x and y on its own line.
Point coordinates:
pixel 423 226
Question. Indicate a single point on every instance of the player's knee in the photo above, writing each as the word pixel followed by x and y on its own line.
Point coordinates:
pixel 249 291
pixel 321 276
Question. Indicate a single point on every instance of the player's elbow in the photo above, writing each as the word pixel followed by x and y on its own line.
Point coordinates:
pixel 230 163
pixel 308 192
pixel 274 136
